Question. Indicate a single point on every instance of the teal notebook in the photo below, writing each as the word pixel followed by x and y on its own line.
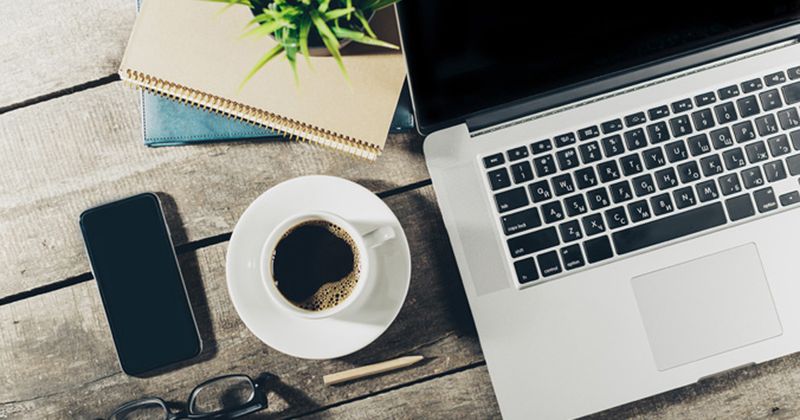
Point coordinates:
pixel 170 123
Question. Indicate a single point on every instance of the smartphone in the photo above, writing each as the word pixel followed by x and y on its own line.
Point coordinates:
pixel 144 296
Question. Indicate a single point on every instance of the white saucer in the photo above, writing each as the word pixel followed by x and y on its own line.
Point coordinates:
pixel 347 331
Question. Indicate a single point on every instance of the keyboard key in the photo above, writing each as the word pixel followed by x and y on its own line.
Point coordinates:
pixel 562 184
pixel 585 178
pixel 575 205
pixel 721 138
pixel 653 158
pixel 728 92
pixel 658 112
pixel 790 198
pixel 493 160
pixel 522 172
pixel 526 271
pixel 533 242
pixel 639 210
pixel 703 119
pixel 635 139
pixel 711 165
pixel 766 125
pixel 567 158
pixel 729 184
pixel 661 204
pixel 597 198
pixel 570 231
pixel 725 113
pixel 748 106
pixel 598 249
pixel 751 177
pixel 540 191
pixel 541 146
pixel 635 119
pixel 565 139
pixel 549 263
pixel 521 221
pixel 498 178
pixel 698 144
pixel 511 199
pixel 608 171
pixel 707 190
pixel 590 152
pixel 756 152
pixel 770 100
pixel 795 135
pixel 616 217
pixel 752 85
pixel 544 165
pixel 658 132
pixel 552 211
pixel 744 131
pixel 684 197
pixel 765 200
pixel 794 73
pixel 643 185
pixel 734 158
pixel 631 164
pixel 611 126
pixel 681 106
pixel 791 93
pixel 779 145
pixel 621 191
pixel 775 78
pixel 676 151
pixel 572 257
pixel 705 99
pixel 680 126
pixel 688 172
pixel 789 118
pixel 517 153
pixel 593 224
pixel 669 228
pixel 775 171
pixel 666 178
pixel 588 133
pixel 612 146
pixel 739 207
pixel 793 163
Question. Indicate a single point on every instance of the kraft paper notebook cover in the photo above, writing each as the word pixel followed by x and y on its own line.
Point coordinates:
pixel 190 51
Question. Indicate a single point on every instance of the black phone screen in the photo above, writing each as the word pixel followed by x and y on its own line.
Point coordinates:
pixel 140 282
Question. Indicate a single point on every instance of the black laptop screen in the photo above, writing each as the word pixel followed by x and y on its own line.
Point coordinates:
pixel 467 56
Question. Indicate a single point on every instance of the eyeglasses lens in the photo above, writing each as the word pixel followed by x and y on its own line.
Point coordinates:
pixel 145 410
pixel 222 394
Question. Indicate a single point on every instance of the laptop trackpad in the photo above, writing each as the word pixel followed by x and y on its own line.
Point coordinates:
pixel 706 306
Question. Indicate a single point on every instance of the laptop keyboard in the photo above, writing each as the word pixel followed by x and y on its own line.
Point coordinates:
pixel 630 183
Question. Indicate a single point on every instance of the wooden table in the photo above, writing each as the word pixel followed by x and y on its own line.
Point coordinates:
pixel 70 139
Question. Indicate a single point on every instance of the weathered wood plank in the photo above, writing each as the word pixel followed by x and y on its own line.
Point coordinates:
pixel 462 395
pixel 68 154
pixel 57 359
pixel 52 45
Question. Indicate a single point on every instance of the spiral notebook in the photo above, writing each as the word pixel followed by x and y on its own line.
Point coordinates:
pixel 168 55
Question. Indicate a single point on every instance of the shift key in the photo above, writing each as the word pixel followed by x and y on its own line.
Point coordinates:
pixel 533 242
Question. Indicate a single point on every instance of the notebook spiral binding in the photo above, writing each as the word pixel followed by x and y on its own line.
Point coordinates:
pixel 232 109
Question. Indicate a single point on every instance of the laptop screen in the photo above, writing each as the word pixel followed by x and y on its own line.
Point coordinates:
pixel 468 56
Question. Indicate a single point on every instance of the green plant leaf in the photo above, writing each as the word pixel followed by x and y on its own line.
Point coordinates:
pixel 365 23
pixel 323 29
pixel 363 38
pixel 334 50
pixel 305 28
pixel 268 28
pixel 323 6
pixel 264 60
pixel 337 13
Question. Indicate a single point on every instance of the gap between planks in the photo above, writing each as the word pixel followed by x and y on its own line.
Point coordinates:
pixel 61 92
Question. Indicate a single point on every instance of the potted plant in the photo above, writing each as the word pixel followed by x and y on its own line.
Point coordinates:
pixel 311 27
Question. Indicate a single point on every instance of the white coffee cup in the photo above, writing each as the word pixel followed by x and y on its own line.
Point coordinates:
pixel 363 242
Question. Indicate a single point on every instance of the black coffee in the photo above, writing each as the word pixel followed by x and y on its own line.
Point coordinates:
pixel 315 265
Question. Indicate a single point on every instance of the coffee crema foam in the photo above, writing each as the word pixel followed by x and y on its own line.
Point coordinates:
pixel 332 294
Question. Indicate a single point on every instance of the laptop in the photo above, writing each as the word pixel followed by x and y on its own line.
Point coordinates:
pixel 619 183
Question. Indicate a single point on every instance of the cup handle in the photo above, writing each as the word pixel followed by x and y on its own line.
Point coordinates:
pixel 379 236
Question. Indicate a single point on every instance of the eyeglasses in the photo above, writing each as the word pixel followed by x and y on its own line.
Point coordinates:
pixel 220 398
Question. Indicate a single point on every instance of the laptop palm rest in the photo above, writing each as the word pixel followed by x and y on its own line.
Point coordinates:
pixel 706 306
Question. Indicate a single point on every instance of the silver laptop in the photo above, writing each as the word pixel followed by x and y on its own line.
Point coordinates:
pixel 619 183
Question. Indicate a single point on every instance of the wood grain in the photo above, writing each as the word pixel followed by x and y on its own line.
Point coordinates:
pixel 68 154
pixel 52 45
pixel 57 359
